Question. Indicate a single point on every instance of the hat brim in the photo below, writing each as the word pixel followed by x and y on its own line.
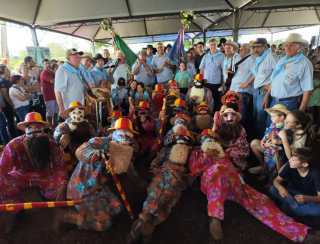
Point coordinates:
pixel 133 131
pixel 67 111
pixel 272 110
pixel 23 125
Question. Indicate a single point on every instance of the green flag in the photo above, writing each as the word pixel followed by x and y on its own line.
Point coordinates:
pixel 123 47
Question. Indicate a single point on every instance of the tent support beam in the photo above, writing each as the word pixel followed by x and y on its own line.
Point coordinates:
pixel 317 13
pixel 76 29
pixel 266 18
pixel 236 25
pixel 196 25
pixel 95 34
pixel 145 26
pixel 205 17
pixel 36 12
pixel 128 8
pixel 34 37
pixel 229 4
pixel 204 37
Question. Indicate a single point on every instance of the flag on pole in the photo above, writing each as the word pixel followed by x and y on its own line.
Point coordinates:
pixel 177 51
pixel 131 57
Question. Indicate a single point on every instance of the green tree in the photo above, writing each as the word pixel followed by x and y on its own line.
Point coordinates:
pixel 57 51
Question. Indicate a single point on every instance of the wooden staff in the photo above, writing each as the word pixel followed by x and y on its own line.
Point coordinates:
pixel 11 207
pixel 120 190
pixel 162 121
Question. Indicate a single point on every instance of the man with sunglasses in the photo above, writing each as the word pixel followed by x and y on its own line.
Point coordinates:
pixel 34 161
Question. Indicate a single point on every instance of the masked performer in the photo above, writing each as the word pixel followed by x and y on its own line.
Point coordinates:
pixel 198 93
pixel 167 185
pixel 221 181
pixel 32 160
pixel 74 131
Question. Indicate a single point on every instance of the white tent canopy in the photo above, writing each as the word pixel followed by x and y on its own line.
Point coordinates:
pixel 135 18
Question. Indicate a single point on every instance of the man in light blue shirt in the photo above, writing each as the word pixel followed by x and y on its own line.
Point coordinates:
pixel 241 76
pixel 86 67
pixel 98 73
pixel 211 67
pixel 69 85
pixel 230 59
pixel 162 66
pixel 261 70
pixel 292 78
pixel 149 54
pixel 142 71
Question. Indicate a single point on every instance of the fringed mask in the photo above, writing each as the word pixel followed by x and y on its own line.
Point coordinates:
pixel 77 115
pixel 122 137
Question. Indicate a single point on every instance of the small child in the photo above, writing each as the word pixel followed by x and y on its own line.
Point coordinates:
pixel 297 187
pixel 269 151
pixel 120 96
pixel 183 78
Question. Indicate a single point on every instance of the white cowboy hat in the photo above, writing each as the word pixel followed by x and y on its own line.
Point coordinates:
pixel 295 37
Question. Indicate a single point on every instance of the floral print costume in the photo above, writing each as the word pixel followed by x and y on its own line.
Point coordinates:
pixel 87 183
pixel 220 181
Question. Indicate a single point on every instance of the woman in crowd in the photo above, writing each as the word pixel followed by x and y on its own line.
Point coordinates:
pixel 19 96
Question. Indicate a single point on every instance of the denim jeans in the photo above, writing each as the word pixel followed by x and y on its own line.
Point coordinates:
pixel 3 129
pixel 292 103
pixel 246 111
pixel 22 112
pixel 259 114
pixel 292 207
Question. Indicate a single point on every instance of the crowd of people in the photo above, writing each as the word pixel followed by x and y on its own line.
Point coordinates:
pixel 232 114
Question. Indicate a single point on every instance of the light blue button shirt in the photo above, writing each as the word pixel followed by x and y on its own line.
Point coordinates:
pixel 264 71
pixel 69 84
pixel 86 74
pixel 229 62
pixel 98 75
pixel 157 63
pixel 212 65
pixel 242 75
pixel 143 76
pixel 149 59
pixel 295 78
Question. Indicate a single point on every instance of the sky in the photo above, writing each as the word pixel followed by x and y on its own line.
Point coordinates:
pixel 19 37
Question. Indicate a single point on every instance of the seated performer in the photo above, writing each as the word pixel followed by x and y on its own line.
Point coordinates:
pixel 221 181
pixel 74 131
pixel 202 119
pixel 31 160
pixel 88 181
pixel 198 93
pixel 147 128
pixel 166 187
pixel 229 131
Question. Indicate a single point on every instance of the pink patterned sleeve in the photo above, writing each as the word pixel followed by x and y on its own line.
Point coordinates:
pixel 239 150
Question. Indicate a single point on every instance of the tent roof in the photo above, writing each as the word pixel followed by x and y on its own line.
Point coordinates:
pixel 136 18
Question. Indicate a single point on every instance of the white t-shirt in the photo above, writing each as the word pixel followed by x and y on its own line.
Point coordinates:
pixel 13 92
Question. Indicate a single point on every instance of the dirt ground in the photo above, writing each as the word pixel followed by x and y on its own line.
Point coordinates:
pixel 188 224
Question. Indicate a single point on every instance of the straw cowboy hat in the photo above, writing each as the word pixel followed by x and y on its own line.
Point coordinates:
pixel 123 124
pixel 233 44
pixel 31 118
pixel 203 106
pixel 295 38
pixel 73 105
pixel 280 108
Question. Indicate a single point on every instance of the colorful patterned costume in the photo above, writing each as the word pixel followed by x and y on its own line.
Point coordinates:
pixel 273 153
pixel 220 181
pixel 164 192
pixel 18 174
pixel 99 203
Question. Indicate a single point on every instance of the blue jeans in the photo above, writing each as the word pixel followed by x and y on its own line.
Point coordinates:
pixel 259 115
pixel 290 206
pixel 292 103
pixel 22 112
pixel 3 129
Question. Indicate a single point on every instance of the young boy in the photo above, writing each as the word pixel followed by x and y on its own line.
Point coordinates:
pixel 297 187
pixel 269 151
